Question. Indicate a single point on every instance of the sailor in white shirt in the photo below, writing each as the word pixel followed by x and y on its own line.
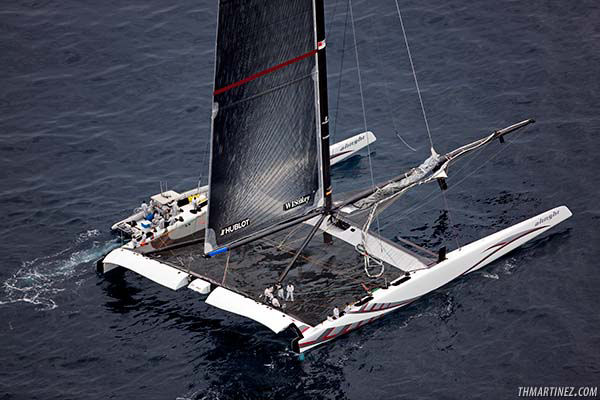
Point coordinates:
pixel 152 206
pixel 336 313
pixel 290 292
pixel 269 293
pixel 347 308
pixel 280 293
pixel 145 209
pixel 275 302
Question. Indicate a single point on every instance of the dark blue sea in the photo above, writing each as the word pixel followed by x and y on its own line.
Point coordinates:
pixel 100 101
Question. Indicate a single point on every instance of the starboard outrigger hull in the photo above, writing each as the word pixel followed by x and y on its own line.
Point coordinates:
pixel 407 289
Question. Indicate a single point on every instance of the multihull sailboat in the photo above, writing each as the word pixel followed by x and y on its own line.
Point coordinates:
pixel 270 193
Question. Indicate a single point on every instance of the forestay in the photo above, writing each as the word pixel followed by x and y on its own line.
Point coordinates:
pixel 265 156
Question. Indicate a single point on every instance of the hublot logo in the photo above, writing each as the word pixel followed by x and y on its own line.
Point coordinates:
pixel 234 227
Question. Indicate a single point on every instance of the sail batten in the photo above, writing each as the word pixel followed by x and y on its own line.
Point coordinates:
pixel 265 72
pixel 266 152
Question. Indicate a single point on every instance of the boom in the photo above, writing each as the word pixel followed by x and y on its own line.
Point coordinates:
pixel 435 167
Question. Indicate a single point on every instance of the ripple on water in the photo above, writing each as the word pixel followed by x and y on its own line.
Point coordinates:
pixel 38 281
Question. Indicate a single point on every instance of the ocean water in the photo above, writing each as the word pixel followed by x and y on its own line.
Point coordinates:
pixel 102 101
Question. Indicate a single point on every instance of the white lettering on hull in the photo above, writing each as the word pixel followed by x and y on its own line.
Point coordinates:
pixel 548 217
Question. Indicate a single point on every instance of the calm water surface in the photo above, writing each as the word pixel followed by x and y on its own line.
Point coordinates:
pixel 102 100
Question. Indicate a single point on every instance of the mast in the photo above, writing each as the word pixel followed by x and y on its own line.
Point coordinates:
pixel 323 102
pixel 324 124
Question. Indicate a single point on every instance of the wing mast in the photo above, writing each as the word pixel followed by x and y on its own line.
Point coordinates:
pixel 323 100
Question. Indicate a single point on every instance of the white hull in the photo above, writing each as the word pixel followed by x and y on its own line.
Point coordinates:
pixel 467 259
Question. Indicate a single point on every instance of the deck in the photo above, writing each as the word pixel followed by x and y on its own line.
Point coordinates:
pixel 324 276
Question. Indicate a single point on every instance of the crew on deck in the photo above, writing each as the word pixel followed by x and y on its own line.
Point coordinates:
pixel 289 292
pixel 336 312
pixel 269 294
pixel 347 308
pixel 275 302
pixel 145 209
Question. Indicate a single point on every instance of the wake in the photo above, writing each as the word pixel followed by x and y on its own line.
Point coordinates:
pixel 38 281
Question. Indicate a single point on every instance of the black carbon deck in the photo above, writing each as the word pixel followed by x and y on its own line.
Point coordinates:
pixel 324 276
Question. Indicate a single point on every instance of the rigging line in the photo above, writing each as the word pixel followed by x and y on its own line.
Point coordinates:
pixel 414 73
pixel 450 221
pixel 421 205
pixel 206 151
pixel 387 92
pixel 408 211
pixel 366 257
pixel 181 262
pixel 362 99
pixel 330 290
pixel 284 242
pixel 404 141
pixel 290 250
pixel 332 18
pixel 292 231
pixel 226 268
pixel 339 89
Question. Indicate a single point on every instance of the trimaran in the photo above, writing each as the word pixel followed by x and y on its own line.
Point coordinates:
pixel 270 184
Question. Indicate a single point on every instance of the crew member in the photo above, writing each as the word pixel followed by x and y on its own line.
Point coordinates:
pixel 269 293
pixel 194 204
pixel 347 308
pixel 145 209
pixel 336 313
pixel 290 292
pixel 280 293
pixel 275 302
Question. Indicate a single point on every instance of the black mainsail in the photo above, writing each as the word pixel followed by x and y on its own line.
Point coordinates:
pixel 269 131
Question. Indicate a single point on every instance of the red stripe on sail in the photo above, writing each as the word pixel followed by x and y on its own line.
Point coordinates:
pixel 265 72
